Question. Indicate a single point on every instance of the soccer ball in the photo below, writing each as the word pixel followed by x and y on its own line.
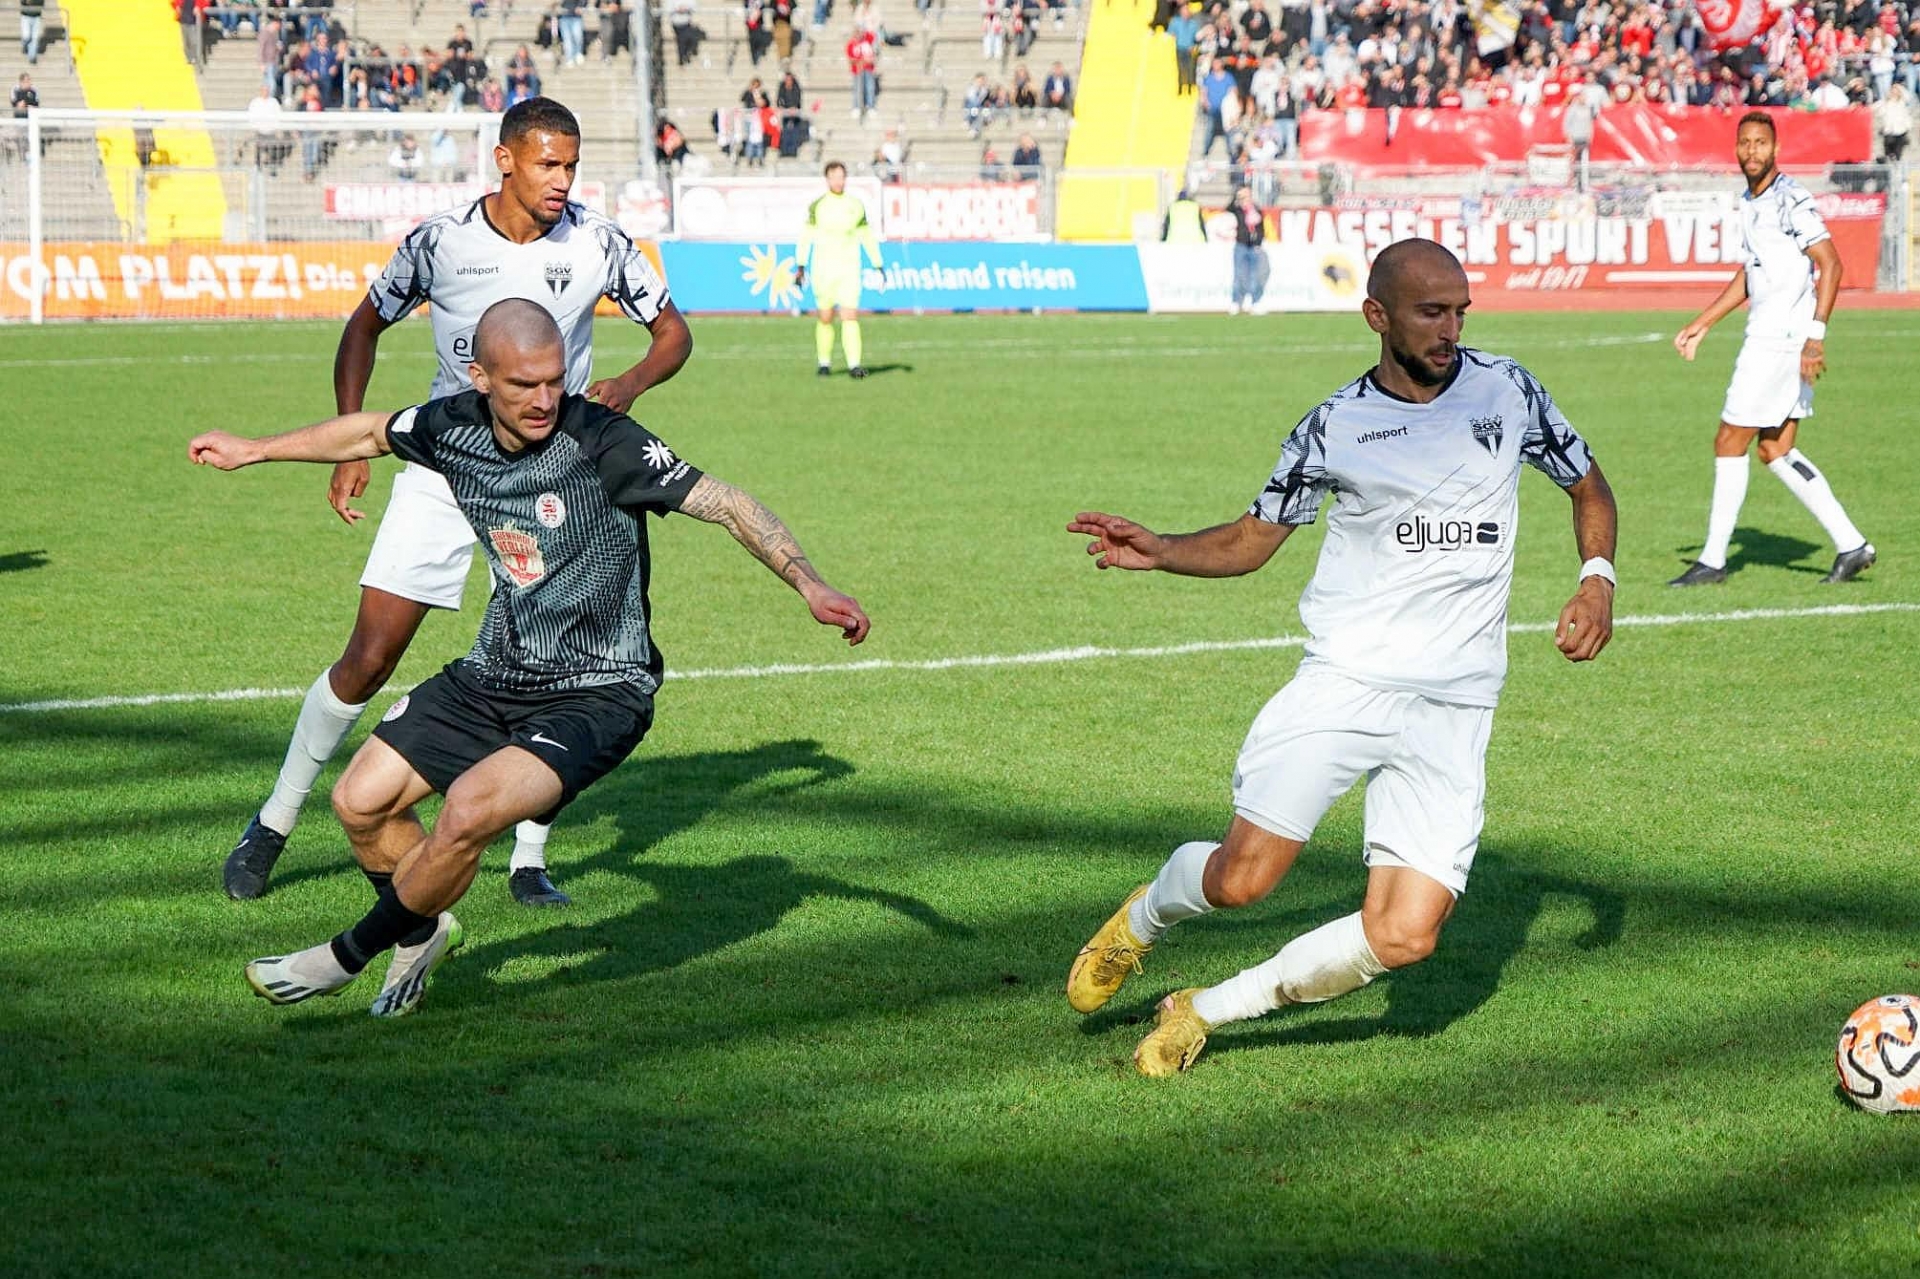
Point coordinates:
pixel 1879 1054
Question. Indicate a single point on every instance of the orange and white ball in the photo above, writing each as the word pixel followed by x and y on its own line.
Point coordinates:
pixel 1879 1054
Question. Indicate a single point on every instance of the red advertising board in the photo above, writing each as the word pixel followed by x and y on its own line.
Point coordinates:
pixel 962 211
pixel 1656 137
pixel 1690 244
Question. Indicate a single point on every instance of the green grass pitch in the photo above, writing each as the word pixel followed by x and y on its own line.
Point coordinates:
pixel 806 1016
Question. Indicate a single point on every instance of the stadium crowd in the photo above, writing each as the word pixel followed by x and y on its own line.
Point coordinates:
pixel 1255 68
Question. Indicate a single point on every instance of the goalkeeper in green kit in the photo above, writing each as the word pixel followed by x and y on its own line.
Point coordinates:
pixel 837 229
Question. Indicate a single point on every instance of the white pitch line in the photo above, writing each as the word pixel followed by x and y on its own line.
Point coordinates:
pixel 1043 657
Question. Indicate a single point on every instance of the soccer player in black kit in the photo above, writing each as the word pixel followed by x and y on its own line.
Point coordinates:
pixel 559 686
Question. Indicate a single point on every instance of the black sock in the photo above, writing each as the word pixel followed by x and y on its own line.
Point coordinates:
pixel 385 926
pixel 381 882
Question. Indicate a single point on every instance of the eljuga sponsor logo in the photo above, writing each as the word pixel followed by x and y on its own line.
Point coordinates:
pixel 1419 534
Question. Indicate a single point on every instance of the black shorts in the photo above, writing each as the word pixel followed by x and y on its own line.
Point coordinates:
pixel 453 721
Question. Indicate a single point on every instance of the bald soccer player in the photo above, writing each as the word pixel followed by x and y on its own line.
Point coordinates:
pixel 559 686
pixel 1406 614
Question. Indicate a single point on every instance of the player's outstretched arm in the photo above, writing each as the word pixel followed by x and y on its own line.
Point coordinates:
pixel 772 543
pixel 1687 341
pixel 671 342
pixel 1586 623
pixel 352 370
pixel 1225 550
pixel 345 438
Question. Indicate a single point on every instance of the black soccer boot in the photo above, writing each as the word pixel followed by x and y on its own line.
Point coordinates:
pixel 251 861
pixel 531 887
pixel 1700 575
pixel 1850 564
pixel 857 371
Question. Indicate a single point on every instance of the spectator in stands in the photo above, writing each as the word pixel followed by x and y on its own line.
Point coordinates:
pixel 323 65
pixel 1894 117
pixel 25 97
pixel 758 21
pixel 1257 25
pixel 493 98
pixel 1214 92
pixel 789 99
pixel 1027 164
pixel 405 159
pixel 461 43
pixel 889 157
pixel 32 24
pixel 977 107
pixel 615 23
pixel 686 35
pixel 315 148
pixel 993 30
pixel 521 85
pixel 991 169
pixel 783 29
pixel 270 48
pixel 403 77
pixel 573 32
pixel 863 60
pixel 1057 93
pixel 1026 96
pixel 187 13
pixel 270 145
pixel 669 144
pixel 1185 30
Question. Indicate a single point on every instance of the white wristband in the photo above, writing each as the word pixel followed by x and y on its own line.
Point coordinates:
pixel 1597 567
pixel 1817 331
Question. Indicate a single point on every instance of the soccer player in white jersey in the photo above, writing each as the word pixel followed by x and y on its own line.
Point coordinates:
pixel 1406 616
pixel 525 240
pixel 1785 242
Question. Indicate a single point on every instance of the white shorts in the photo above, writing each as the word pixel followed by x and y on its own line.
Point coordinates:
pixel 1766 388
pixel 425 546
pixel 1425 763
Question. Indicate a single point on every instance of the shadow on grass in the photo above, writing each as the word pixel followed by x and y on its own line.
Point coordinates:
pixel 1756 546
pixel 19 561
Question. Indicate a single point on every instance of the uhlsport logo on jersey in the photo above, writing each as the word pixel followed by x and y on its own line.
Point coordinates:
pixel 519 554
pixel 1487 431
pixel 550 510
pixel 559 276
pixel 1389 433
pixel 1422 534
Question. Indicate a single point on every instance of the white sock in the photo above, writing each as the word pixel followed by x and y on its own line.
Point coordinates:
pixel 1324 964
pixel 529 846
pixel 1729 492
pixel 1805 482
pixel 1175 893
pixel 324 723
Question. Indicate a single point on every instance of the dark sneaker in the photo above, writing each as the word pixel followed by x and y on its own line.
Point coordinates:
pixel 1700 575
pixel 251 861
pixel 531 887
pixel 856 372
pixel 1850 564
pixel 823 371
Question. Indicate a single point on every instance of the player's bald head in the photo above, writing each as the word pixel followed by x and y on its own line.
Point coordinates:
pixel 1412 266
pixel 512 326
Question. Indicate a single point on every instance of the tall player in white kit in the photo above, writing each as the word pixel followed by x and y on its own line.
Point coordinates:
pixel 526 240
pixel 1406 615
pixel 1785 242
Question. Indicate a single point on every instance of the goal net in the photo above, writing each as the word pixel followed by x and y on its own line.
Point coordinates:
pixel 214 215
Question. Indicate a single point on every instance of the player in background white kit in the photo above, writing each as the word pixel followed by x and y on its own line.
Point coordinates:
pixel 525 240
pixel 1785 350
pixel 1406 616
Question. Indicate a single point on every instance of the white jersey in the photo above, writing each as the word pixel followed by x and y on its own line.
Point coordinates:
pixel 1777 227
pixel 1411 589
pixel 460 263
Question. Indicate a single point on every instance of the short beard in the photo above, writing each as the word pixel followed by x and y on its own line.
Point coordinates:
pixel 1418 369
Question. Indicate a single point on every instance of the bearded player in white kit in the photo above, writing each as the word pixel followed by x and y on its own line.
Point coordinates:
pixel 526 240
pixel 1785 242
pixel 1406 615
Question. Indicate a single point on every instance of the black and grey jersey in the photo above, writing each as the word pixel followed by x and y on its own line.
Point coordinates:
pixel 562 525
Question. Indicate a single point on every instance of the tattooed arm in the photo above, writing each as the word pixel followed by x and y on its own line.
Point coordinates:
pixel 715 501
